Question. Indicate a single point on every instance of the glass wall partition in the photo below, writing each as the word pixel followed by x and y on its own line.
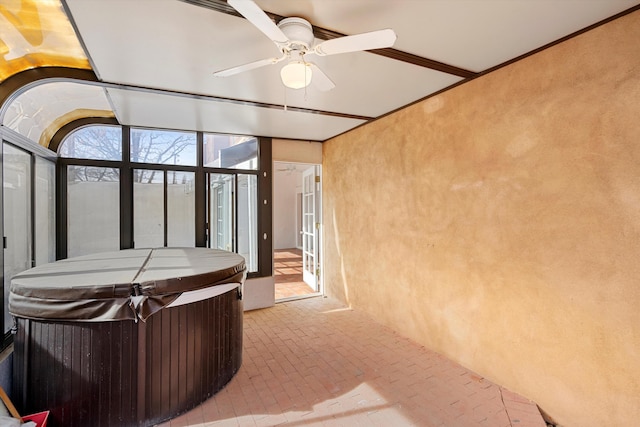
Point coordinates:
pixel 93 210
pixel 45 208
pixel 163 208
pixel 173 188
pixel 181 209
pixel 16 183
pixel 28 214
pixel 92 190
pixel 148 208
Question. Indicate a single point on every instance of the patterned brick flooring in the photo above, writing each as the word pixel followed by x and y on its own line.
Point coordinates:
pixel 288 274
pixel 314 362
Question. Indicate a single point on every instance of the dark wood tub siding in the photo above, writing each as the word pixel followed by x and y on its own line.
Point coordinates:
pixel 125 373
pixel 193 351
pixel 84 373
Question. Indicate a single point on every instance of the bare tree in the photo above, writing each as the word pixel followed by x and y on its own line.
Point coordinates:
pixel 104 143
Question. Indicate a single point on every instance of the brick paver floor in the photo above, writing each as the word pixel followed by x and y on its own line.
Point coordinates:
pixel 314 362
pixel 287 266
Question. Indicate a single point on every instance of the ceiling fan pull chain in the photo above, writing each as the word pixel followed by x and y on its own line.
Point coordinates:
pixel 285 97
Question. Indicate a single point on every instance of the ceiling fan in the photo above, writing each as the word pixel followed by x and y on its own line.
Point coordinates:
pixel 289 168
pixel 294 37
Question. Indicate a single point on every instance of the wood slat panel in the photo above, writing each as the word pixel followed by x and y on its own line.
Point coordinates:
pixel 205 353
pixel 77 371
pixel 87 373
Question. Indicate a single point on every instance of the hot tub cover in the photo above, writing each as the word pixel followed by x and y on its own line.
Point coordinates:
pixel 130 284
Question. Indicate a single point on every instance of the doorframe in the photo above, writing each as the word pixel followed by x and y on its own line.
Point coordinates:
pixel 319 220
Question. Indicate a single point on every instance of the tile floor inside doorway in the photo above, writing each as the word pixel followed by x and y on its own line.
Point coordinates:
pixel 315 362
pixel 287 271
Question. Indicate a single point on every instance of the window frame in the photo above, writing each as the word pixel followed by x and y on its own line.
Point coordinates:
pixel 35 151
pixel 126 167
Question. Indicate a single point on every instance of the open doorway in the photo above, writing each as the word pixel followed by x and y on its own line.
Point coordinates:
pixel 296 223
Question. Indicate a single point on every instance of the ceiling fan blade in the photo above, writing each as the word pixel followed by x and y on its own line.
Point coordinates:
pixel 320 80
pixel 246 67
pixel 365 41
pixel 257 17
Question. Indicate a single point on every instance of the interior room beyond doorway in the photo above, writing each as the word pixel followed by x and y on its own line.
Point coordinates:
pixel 296 219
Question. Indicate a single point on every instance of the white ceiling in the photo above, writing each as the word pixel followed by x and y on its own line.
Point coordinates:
pixel 158 56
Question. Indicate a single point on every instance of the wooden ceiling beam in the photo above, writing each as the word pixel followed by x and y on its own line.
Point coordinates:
pixel 325 34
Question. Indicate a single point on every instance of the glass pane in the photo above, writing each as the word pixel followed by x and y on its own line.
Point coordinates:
pixel 221 208
pixel 93 210
pixel 181 209
pixel 37 34
pixel 17 218
pixel 45 211
pixel 248 220
pixel 148 208
pixel 163 147
pixel 40 111
pixel 93 142
pixel 232 152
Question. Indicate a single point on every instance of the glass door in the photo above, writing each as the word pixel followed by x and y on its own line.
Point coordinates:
pixel 16 182
pixel 310 266
pixel 221 211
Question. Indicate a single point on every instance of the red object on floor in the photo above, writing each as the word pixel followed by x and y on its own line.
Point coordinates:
pixel 40 418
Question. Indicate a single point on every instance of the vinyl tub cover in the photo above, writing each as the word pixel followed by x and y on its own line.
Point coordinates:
pixel 130 284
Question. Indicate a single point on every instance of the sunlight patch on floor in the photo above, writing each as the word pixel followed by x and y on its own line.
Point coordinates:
pixel 362 400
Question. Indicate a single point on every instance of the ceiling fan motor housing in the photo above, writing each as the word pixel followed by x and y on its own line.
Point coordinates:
pixel 298 31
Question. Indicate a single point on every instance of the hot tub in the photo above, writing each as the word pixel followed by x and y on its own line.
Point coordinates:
pixel 127 338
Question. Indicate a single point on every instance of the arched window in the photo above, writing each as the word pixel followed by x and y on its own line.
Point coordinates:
pixel 94 143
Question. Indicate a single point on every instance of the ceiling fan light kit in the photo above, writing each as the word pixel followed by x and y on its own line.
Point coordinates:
pixel 294 37
pixel 296 75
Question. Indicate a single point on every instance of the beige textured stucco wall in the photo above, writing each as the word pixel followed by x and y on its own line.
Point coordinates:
pixel 499 224
pixel 296 151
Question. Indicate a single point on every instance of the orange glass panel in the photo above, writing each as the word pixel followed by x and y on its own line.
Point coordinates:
pixel 37 33
pixel 80 113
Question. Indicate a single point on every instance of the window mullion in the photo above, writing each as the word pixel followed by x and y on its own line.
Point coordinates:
pixel 200 188
pixel 165 206
pixel 126 192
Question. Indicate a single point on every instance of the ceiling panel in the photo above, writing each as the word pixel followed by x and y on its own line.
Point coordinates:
pixel 471 34
pixel 366 85
pixel 177 112
pixel 152 49
pixel 175 46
